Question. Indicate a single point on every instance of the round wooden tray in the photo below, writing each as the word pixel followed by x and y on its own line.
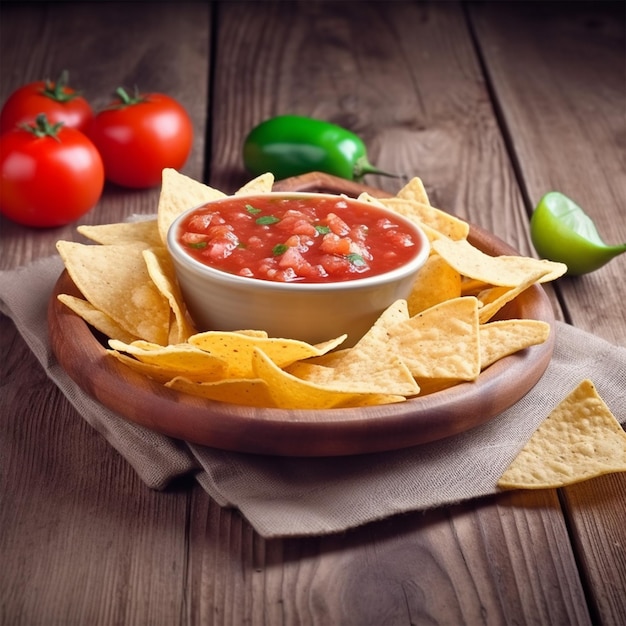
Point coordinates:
pixel 303 432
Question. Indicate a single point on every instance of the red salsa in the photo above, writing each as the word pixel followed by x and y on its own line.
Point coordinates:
pixel 290 238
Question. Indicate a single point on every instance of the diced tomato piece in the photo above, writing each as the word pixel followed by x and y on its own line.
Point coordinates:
pixel 255 243
pixel 400 239
pixel 333 244
pixel 334 265
pixel 221 247
pixel 202 222
pixel 336 224
pixel 193 238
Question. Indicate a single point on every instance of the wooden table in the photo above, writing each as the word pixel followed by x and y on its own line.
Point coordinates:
pixel 492 104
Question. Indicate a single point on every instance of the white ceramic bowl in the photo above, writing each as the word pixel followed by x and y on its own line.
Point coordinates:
pixel 312 312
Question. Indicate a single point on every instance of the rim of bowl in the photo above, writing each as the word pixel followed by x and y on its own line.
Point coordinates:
pixel 179 253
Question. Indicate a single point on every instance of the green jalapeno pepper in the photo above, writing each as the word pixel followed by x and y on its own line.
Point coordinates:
pixel 290 145
pixel 561 231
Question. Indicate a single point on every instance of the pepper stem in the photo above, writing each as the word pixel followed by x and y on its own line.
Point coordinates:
pixel 363 167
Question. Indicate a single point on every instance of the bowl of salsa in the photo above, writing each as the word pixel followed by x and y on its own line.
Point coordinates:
pixel 306 266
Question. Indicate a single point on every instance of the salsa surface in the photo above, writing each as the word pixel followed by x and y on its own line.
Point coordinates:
pixel 297 239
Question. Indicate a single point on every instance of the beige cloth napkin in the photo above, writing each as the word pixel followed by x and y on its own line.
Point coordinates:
pixel 304 496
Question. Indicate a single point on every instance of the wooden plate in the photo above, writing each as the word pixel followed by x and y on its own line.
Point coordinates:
pixel 303 432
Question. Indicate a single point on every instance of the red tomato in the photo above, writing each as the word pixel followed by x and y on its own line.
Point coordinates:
pixel 49 175
pixel 57 101
pixel 139 136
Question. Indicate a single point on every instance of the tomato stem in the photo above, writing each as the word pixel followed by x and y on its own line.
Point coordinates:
pixel 59 90
pixel 128 100
pixel 43 128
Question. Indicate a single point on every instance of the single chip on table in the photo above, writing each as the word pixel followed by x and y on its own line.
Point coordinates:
pixel 579 440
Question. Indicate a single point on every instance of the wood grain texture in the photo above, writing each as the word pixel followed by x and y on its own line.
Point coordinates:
pixel 570 137
pixel 445 567
pixel 83 541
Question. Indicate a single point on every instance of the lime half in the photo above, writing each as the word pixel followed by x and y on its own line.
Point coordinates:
pixel 561 231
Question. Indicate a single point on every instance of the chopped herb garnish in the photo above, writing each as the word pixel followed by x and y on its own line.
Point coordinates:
pixel 252 210
pixel 267 220
pixel 355 259
pixel 322 230
pixel 279 249
pixel 198 245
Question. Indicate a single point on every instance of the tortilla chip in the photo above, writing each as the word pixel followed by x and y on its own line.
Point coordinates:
pixel 115 280
pixel 441 342
pixel 162 273
pixel 260 184
pixel 436 282
pixel 493 299
pixel 99 320
pixel 146 232
pixel 393 378
pixel 291 392
pixel 579 440
pixel 505 337
pixel 179 193
pixel 500 271
pixel 244 392
pixel 182 359
pixel 415 191
pixel 448 225
pixel 238 349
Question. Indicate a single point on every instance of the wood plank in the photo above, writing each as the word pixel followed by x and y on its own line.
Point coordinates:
pixel 83 540
pixel 543 61
pixel 78 527
pixel 378 71
pixel 570 61
pixel 443 567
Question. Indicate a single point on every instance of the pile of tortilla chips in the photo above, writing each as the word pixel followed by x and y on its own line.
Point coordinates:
pixel 443 334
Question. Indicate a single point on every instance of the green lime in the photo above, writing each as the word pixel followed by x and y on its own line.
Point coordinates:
pixel 561 231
